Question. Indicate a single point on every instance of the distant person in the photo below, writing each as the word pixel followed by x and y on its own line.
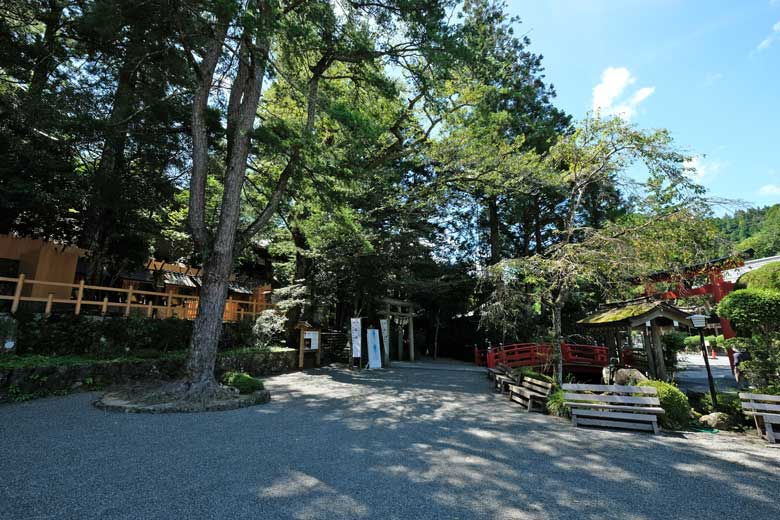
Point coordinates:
pixel 739 357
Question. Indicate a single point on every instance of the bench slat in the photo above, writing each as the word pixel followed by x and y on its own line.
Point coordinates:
pixel 759 397
pixel 619 399
pixel 645 426
pixel 614 415
pixel 538 382
pixel 645 409
pixel 621 389
pixel 760 407
pixel 526 392
pixel 535 388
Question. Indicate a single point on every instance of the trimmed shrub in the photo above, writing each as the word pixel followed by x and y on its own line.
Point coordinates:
pixel 674 402
pixel 752 311
pixel 692 343
pixel 729 404
pixel 243 382
pixel 269 328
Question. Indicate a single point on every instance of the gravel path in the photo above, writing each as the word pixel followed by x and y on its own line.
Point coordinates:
pixel 387 444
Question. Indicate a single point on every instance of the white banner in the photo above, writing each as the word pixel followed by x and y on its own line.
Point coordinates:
pixel 356 337
pixel 385 325
pixel 374 354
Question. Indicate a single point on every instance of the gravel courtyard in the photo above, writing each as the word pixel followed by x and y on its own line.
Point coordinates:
pixel 402 443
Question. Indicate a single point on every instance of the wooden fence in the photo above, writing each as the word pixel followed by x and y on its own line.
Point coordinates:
pixel 114 300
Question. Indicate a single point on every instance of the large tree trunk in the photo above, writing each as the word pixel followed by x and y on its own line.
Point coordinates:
pixel 219 258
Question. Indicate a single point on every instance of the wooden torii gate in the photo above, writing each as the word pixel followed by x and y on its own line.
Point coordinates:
pixel 400 309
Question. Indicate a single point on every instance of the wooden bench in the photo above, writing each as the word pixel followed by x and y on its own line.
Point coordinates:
pixel 531 393
pixel 614 406
pixel 504 381
pixel 498 370
pixel 767 409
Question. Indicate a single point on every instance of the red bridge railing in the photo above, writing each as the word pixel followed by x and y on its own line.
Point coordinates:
pixel 540 354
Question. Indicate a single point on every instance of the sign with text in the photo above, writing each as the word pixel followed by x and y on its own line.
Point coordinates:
pixel 357 332
pixel 311 339
pixel 374 353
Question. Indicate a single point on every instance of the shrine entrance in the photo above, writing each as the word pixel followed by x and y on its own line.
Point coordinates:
pixel 400 314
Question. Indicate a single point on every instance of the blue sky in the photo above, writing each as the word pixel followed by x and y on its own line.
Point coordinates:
pixel 709 71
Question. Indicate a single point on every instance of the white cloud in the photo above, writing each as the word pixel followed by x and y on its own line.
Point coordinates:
pixel 614 82
pixel 769 189
pixel 699 168
pixel 773 37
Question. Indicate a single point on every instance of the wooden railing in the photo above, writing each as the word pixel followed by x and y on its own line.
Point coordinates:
pixel 117 300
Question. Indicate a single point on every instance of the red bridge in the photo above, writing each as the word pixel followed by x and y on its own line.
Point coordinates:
pixel 576 358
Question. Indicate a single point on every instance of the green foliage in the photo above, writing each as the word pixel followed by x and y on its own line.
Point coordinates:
pixel 752 311
pixel 269 328
pixel 729 404
pixel 763 367
pixel 754 228
pixel 672 343
pixel 108 338
pixel 555 404
pixel 692 343
pixel 242 382
pixel 677 410
pixel 765 277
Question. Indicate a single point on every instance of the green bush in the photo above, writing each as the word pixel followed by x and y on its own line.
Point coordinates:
pixel 763 368
pixel 692 343
pixel 555 404
pixel 674 402
pixel 242 382
pixel 111 337
pixel 269 328
pixel 729 404
pixel 752 311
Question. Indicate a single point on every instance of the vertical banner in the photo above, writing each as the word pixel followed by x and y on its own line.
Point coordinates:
pixel 357 332
pixel 385 325
pixel 374 353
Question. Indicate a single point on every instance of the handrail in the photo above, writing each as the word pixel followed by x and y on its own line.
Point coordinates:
pixel 234 309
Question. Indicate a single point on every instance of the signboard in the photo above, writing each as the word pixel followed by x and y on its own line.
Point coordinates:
pixel 356 337
pixel 385 325
pixel 374 353
pixel 311 339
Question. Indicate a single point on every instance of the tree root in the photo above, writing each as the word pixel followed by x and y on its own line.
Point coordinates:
pixel 178 396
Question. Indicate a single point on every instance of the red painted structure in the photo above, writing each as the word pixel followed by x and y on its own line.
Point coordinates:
pixel 576 358
pixel 717 287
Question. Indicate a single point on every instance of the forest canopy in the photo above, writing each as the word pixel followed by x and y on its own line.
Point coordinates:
pixel 391 148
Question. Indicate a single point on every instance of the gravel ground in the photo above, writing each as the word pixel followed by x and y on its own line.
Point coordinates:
pixel 400 443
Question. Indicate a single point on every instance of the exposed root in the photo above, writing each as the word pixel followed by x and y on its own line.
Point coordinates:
pixel 179 396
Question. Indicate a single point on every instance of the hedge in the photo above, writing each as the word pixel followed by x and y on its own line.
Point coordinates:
pixel 677 410
pixel 110 337
pixel 752 311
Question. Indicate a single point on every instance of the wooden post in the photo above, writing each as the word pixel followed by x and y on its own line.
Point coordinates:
pixel 254 309
pixel 49 302
pixel 149 309
pixel 104 307
pixel 400 331
pixel 129 301
pixel 411 338
pixel 300 349
pixel 240 314
pixel 168 302
pixel 79 297
pixel 17 293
